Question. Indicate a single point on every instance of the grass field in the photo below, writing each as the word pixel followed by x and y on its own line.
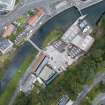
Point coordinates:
pixel 53 36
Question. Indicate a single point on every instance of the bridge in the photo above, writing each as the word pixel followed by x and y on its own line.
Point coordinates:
pixel 34 45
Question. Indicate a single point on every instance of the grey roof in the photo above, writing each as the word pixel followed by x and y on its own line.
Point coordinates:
pixel 5 44
pixel 47 74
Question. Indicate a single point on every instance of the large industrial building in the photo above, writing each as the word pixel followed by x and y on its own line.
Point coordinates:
pixel 71 46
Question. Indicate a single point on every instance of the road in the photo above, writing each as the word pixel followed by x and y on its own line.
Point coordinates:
pixel 21 9
pixel 22 80
pixel 100 99
pixel 87 88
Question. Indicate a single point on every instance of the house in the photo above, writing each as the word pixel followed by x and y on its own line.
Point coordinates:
pixel 34 19
pixel 83 42
pixel 7 5
pixel 9 29
pixel 5 45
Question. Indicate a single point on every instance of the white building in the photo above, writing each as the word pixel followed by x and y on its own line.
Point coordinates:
pixel 78 35
pixel 83 42
pixel 7 5
pixel 5 45
pixel 70 102
pixel 80 26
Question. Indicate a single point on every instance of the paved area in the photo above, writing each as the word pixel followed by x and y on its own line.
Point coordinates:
pixel 58 61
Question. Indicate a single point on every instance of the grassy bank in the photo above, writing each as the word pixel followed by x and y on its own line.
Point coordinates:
pixel 100 88
pixel 53 36
pixel 72 81
pixel 5 61
pixel 8 93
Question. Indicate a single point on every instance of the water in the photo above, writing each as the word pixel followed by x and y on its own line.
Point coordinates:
pixel 22 53
pixel 63 21
pixel 94 12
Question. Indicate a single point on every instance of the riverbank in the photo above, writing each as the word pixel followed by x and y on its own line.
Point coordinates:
pixel 52 37
pixel 11 87
pixel 5 60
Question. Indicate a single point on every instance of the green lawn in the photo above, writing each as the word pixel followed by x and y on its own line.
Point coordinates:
pixel 53 36
pixel 22 20
pixel 6 96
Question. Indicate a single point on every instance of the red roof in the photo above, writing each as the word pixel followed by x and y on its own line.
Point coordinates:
pixel 8 30
pixel 38 61
pixel 34 18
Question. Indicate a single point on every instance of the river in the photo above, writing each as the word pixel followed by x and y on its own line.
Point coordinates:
pixel 63 21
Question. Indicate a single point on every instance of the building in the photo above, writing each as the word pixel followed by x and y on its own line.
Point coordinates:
pixel 42 70
pixel 34 19
pixel 41 61
pixel 8 30
pixel 59 45
pixel 5 45
pixel 59 61
pixel 83 42
pixel 70 102
pixel 63 100
pixel 47 75
pixel 81 26
pixel 7 5
pixel 79 41
pixel 75 42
